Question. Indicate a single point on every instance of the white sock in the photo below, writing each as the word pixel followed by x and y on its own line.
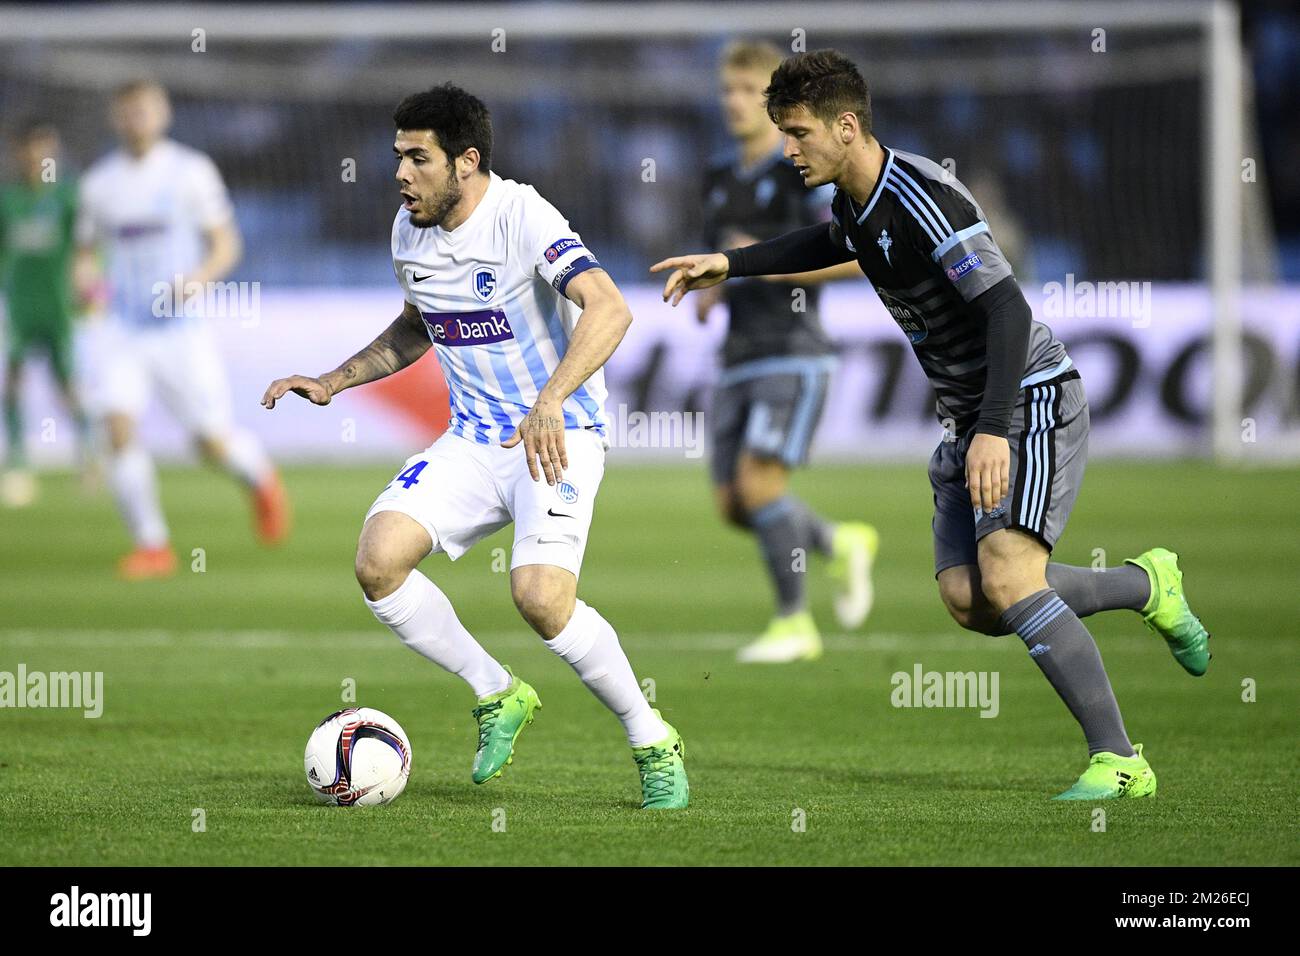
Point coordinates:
pixel 592 649
pixel 245 458
pixel 424 619
pixel 135 486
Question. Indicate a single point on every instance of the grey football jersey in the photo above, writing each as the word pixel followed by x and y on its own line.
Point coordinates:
pixel 925 245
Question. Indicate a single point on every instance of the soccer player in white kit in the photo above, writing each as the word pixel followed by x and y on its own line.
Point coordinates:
pixel 158 215
pixel 521 318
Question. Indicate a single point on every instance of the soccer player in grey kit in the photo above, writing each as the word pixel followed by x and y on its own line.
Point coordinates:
pixel 777 362
pixel 1005 486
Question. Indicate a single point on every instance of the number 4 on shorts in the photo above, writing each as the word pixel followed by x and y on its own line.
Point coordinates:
pixel 412 475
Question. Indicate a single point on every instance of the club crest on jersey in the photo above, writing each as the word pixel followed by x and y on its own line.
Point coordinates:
pixel 485 282
pixel 884 242
pixel 567 491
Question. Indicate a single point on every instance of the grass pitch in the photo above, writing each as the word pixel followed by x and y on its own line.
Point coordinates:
pixel 213 681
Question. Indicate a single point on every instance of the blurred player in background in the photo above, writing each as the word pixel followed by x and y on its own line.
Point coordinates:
pixel 522 319
pixel 158 214
pixel 1004 488
pixel 37 221
pixel 777 363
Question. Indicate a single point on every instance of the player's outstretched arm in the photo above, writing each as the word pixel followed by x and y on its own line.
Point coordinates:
pixel 601 326
pixel 398 346
pixel 803 250
pixel 845 271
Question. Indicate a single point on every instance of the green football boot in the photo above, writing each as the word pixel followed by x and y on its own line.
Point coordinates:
pixel 793 637
pixel 663 772
pixel 1112 777
pixel 853 552
pixel 1168 614
pixel 501 718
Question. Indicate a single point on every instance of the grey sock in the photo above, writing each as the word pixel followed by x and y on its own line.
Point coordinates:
pixel 1068 657
pixel 1088 591
pixel 817 530
pixel 783 529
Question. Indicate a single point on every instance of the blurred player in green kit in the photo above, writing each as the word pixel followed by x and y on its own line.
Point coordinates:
pixel 37 216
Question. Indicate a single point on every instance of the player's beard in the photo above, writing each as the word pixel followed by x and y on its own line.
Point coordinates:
pixel 443 205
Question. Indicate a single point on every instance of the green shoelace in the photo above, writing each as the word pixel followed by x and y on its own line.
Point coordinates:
pixel 486 715
pixel 656 773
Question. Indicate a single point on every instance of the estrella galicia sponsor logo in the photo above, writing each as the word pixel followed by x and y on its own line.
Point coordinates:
pixel 963 266
pixel 912 324
pixel 485 282
pixel 567 491
pixel 560 247
pixel 468 328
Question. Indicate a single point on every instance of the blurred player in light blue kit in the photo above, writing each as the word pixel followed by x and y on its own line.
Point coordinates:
pixel 159 215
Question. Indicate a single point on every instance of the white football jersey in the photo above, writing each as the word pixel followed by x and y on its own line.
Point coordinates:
pixel 491 292
pixel 148 216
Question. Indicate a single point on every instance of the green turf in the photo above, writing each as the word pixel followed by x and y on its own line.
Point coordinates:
pixel 214 680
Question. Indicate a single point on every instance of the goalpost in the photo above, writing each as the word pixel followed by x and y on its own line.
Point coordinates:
pixel 649 57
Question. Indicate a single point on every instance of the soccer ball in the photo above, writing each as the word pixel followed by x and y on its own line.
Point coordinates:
pixel 357 757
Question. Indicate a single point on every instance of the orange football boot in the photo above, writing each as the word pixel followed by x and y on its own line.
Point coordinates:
pixel 145 563
pixel 271 510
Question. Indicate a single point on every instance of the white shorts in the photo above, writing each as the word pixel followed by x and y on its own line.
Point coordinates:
pixel 122 366
pixel 461 492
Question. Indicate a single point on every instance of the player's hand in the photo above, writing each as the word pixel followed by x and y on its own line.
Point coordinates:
pixel 313 389
pixel 988 470
pixel 691 272
pixel 542 432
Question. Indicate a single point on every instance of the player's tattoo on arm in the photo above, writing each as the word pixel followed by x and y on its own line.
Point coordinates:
pixel 398 346
pixel 538 420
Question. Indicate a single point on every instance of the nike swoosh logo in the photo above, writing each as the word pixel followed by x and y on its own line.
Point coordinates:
pixel 416 277
pixel 556 514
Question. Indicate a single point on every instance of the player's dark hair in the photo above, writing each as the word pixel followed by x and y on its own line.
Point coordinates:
pixel 458 120
pixel 825 82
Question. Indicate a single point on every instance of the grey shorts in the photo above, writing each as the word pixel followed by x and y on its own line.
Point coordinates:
pixel 771 414
pixel 1049 449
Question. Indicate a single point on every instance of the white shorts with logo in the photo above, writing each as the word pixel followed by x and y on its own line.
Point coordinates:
pixel 461 492
pixel 122 367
